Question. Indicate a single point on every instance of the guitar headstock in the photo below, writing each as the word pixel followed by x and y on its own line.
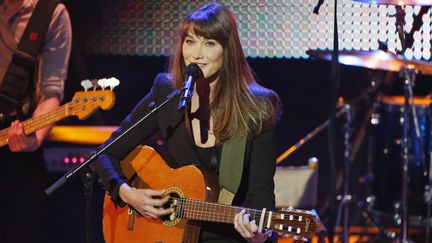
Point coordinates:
pixel 84 103
pixel 294 223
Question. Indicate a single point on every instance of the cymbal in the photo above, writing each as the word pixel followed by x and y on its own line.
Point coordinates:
pixel 399 2
pixel 377 60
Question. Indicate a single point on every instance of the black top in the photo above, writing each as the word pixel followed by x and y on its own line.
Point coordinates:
pixel 210 158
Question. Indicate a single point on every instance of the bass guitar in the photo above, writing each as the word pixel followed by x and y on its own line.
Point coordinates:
pixel 82 105
pixel 192 196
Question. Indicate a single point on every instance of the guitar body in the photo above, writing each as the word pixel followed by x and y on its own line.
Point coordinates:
pixel 145 168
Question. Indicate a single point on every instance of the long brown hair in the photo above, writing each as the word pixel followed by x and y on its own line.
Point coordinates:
pixel 237 109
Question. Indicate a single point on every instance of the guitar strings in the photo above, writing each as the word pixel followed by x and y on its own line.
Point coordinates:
pixel 65 108
pixel 34 122
pixel 199 210
pixel 196 208
pixel 57 114
pixel 53 116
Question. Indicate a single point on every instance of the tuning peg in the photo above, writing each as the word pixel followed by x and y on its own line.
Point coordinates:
pixel 112 82
pixel 95 84
pixel 102 82
pixel 86 84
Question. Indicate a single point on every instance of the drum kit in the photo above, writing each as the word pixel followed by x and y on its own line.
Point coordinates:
pixel 402 133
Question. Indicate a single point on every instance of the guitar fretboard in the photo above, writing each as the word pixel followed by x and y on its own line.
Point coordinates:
pixel 36 123
pixel 220 213
pixel 213 212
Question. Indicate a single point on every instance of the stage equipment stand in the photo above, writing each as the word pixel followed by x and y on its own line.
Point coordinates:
pixel 409 73
pixel 346 198
pixel 88 177
pixel 335 73
pixel 428 197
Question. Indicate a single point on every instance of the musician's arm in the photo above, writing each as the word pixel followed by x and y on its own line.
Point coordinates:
pixel 262 168
pixel 260 186
pixel 53 63
pixel 108 165
pixel 19 142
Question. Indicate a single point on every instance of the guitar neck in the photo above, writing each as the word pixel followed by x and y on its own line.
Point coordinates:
pixel 213 212
pixel 33 124
pixel 294 223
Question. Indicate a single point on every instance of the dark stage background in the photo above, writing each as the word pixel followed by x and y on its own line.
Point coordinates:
pixel 304 86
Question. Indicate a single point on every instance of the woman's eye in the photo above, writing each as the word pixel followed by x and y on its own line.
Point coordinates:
pixel 189 42
pixel 210 43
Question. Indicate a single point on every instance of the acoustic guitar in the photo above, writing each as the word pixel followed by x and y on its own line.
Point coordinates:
pixel 82 105
pixel 192 196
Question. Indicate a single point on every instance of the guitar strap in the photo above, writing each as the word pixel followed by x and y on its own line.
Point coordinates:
pixel 20 75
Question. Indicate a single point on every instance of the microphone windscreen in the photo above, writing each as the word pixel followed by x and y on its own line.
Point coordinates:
pixel 194 70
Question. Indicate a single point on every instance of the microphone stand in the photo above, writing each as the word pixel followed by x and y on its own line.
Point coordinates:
pixel 345 199
pixel 405 159
pixel 88 176
pixel 335 71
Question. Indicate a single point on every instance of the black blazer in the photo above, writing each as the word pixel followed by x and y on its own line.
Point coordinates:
pixel 257 187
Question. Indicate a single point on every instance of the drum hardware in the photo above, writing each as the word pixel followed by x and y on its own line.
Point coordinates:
pixel 367 96
pixel 409 73
pixel 400 215
pixel 385 148
pixel 428 194
pixel 346 198
pixel 380 60
pixel 366 213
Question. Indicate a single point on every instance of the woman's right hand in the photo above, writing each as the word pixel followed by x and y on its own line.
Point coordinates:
pixel 147 202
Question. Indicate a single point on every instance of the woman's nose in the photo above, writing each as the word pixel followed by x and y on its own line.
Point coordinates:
pixel 197 53
pixel 197 56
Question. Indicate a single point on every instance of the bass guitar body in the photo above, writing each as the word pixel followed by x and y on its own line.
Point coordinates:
pixel 145 168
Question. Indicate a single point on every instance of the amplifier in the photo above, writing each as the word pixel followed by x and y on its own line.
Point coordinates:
pixel 297 186
pixel 69 146
pixel 65 158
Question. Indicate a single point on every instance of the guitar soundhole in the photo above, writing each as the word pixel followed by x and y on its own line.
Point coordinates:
pixel 175 194
pixel 173 197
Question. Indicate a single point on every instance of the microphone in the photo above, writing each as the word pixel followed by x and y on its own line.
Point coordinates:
pixel 193 72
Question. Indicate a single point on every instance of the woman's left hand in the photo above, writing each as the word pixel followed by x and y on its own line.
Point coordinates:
pixel 249 230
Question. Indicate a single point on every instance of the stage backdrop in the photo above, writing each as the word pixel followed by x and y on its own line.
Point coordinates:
pixel 268 28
